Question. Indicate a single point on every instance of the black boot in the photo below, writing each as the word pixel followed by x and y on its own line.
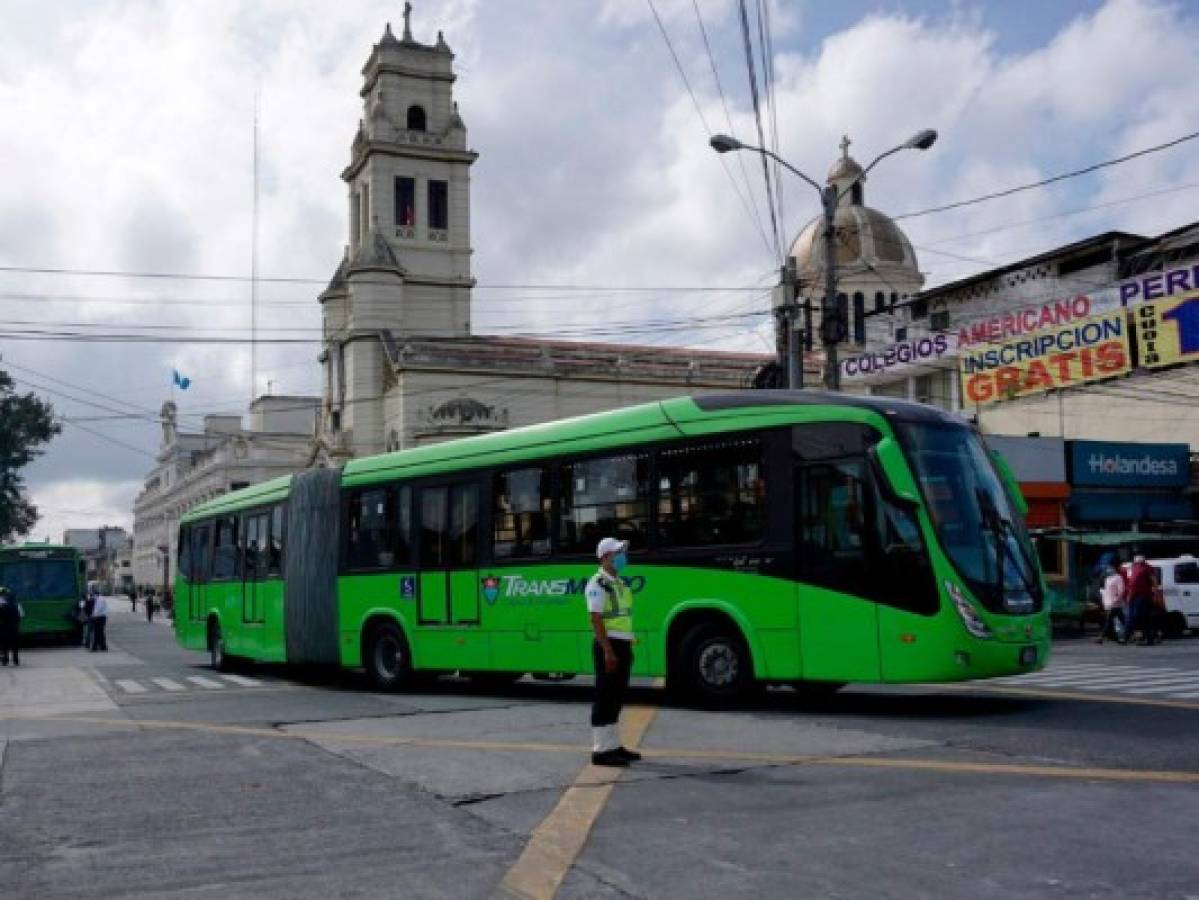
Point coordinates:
pixel 630 755
pixel 609 758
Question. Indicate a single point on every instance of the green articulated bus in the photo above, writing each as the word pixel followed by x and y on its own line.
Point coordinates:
pixel 47 580
pixel 776 536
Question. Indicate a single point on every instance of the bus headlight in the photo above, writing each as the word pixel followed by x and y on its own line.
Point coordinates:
pixel 966 612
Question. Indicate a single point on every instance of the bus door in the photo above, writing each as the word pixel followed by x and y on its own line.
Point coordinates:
pixel 448 599
pixel 200 561
pixel 256 530
pixel 838 616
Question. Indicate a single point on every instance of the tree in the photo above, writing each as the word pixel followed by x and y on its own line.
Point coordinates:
pixel 26 423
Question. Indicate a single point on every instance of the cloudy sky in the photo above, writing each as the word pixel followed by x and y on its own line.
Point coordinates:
pixel 128 146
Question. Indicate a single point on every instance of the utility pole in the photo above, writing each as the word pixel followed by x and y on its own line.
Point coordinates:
pixel 788 337
pixel 831 326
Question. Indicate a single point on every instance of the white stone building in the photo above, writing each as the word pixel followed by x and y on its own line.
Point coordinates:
pixel 401 363
pixel 192 467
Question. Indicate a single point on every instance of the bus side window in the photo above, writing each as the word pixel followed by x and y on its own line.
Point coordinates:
pixel 404 538
pixel 201 552
pixel 183 552
pixel 371 529
pixel 274 565
pixel 832 525
pixel 521 513
pixel 463 533
pixel 903 577
pixel 606 497
pixel 711 495
pixel 225 549
pixel 253 550
pixel 433 527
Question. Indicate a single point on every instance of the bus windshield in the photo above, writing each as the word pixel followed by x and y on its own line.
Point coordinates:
pixel 976 524
pixel 39 579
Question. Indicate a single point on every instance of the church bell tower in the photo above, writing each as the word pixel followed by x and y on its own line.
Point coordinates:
pixel 406 269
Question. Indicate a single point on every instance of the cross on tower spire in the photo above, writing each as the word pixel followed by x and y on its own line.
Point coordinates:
pixel 407 21
pixel 845 146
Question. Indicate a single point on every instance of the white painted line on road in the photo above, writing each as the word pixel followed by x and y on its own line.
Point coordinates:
pixel 204 682
pixel 168 685
pixel 1189 695
pixel 1113 677
pixel 130 686
pixel 243 680
pixel 1066 672
pixel 1124 684
pixel 1177 684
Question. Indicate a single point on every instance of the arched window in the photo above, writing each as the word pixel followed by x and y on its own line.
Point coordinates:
pixel 416 118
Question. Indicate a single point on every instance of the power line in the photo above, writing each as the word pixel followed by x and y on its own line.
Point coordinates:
pixel 755 217
pixel 288 279
pixel 728 118
pixel 747 43
pixel 1086 170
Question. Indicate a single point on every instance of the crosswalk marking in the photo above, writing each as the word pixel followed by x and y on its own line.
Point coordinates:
pixel 205 682
pixel 168 685
pixel 1177 684
pixel 1115 680
pixel 129 686
pixel 1166 681
pixel 243 680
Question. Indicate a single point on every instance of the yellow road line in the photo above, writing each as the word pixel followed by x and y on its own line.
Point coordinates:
pixel 657 753
pixel 557 841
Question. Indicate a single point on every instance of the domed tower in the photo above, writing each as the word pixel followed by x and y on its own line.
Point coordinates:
pixel 876 265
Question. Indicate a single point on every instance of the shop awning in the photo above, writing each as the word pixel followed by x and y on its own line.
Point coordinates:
pixel 1110 538
pixel 1096 506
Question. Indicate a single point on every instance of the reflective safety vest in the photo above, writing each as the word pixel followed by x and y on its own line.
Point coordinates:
pixel 618 606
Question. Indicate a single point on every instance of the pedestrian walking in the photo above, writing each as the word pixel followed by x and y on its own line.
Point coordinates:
pixel 1113 596
pixel 133 601
pixel 150 605
pixel 610 605
pixel 11 613
pixel 86 605
pixel 1141 584
pixel 99 622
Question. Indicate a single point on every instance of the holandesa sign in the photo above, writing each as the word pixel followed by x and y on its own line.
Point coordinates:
pixel 1107 464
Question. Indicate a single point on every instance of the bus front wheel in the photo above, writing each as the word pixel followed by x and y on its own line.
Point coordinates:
pixel 386 659
pixel 713 666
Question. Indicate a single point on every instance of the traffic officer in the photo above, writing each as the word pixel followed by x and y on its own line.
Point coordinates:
pixel 610 604
pixel 10 627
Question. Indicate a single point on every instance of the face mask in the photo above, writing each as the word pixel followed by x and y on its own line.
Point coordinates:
pixel 619 561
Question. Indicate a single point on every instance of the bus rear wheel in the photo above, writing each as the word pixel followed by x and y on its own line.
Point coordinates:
pixel 713 666
pixel 386 659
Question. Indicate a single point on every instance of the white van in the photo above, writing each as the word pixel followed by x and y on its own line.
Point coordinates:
pixel 1179 580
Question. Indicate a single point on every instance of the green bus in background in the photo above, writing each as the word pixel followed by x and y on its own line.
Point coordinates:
pixel 48 581
pixel 776 536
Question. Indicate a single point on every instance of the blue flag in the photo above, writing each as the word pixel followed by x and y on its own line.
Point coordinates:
pixel 181 381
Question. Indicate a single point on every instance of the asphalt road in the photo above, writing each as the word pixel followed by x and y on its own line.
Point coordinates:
pixel 141 772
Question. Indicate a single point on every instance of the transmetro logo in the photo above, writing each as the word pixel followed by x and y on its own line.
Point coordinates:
pixel 491 589
pixel 1116 464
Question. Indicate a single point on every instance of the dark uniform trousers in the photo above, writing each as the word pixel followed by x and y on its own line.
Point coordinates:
pixel 10 642
pixel 610 687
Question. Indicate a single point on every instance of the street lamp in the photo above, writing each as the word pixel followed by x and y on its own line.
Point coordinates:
pixel 830 197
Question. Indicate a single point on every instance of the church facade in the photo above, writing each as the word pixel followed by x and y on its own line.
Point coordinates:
pixel 402 365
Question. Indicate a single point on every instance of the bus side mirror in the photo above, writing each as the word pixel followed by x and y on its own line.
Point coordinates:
pixel 1009 481
pixel 892 473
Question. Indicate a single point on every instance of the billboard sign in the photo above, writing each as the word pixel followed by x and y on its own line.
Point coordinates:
pixel 1108 464
pixel 1168 331
pixel 1081 352
pixel 926 350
